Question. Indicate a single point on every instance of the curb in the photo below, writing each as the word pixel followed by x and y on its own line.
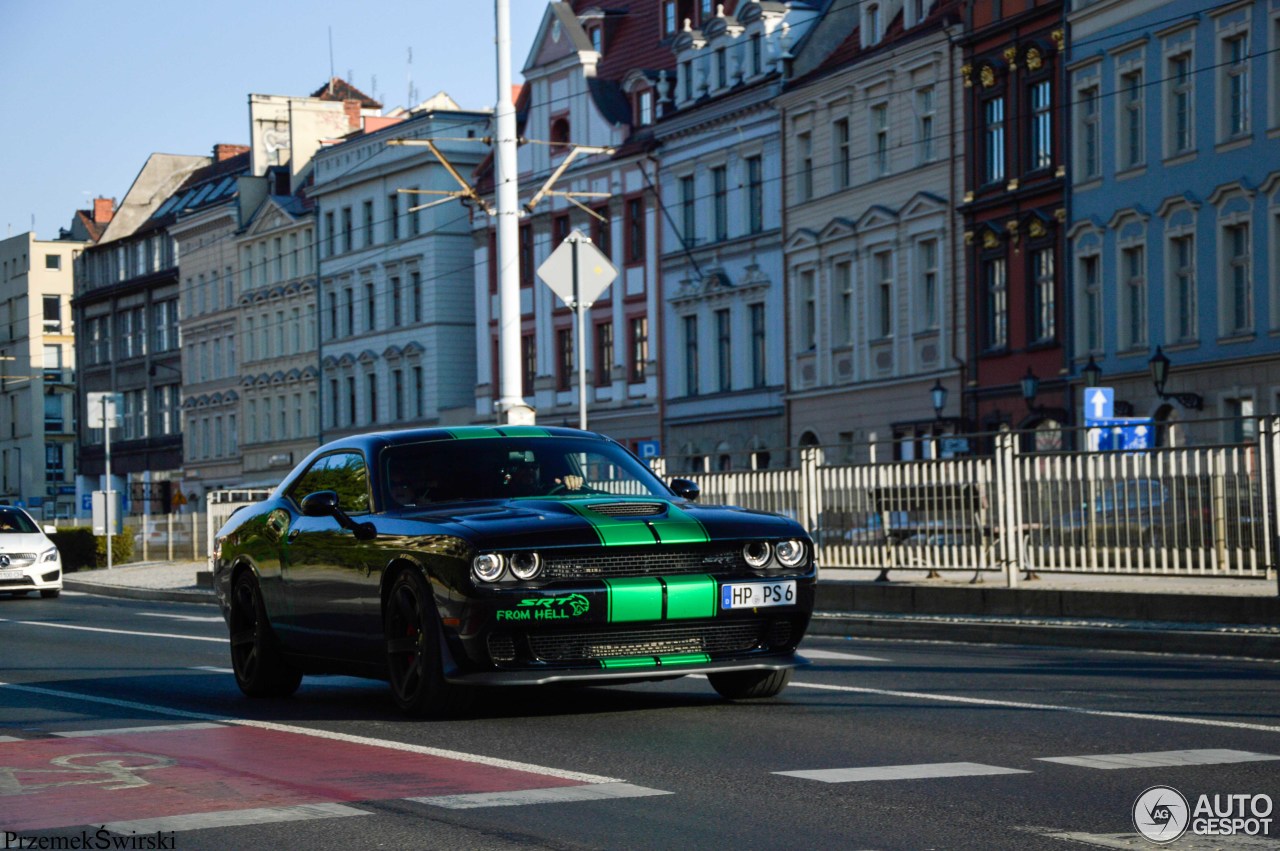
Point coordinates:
pixel 1135 636
pixel 165 595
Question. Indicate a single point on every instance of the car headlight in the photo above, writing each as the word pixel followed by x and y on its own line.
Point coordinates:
pixel 790 552
pixel 50 554
pixel 757 553
pixel 487 567
pixel 525 566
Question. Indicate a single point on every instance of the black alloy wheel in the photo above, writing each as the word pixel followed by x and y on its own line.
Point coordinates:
pixel 413 651
pixel 259 665
pixel 750 685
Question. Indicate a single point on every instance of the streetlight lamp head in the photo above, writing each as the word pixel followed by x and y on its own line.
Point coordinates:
pixel 1092 373
pixel 938 394
pixel 1030 387
pixel 1159 365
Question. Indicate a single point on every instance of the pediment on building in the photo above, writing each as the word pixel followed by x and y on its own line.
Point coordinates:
pixel 877 216
pixel 837 229
pixel 560 37
pixel 923 204
pixel 801 239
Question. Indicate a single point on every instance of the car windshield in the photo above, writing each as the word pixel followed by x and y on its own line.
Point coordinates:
pixel 505 468
pixel 16 522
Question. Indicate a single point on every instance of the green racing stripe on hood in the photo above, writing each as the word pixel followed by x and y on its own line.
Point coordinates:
pixel 615 531
pixel 680 527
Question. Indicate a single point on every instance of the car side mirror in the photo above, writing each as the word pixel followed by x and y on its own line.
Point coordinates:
pixel 320 504
pixel 325 504
pixel 686 489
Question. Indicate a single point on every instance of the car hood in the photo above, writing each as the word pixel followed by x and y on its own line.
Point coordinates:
pixel 24 542
pixel 605 520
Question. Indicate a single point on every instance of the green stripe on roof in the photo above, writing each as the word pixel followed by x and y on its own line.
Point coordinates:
pixel 482 432
pixel 472 432
pixel 523 431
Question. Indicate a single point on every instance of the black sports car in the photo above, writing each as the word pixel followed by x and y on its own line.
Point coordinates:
pixel 440 559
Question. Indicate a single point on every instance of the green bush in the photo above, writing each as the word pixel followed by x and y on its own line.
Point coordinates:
pixel 121 548
pixel 76 546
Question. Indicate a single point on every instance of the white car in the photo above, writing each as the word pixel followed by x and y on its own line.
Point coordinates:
pixel 29 561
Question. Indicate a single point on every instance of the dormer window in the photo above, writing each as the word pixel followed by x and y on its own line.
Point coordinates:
pixel 559 134
pixel 707 10
pixel 917 11
pixel 871 24
pixel 669 17
pixel 596 34
pixel 644 108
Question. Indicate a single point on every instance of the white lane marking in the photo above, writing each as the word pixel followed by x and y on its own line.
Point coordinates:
pixel 561 795
pixel 460 756
pixel 901 772
pixel 232 818
pixel 190 618
pixel 1044 707
pixel 68 593
pixel 158 728
pixel 115 631
pixel 834 656
pixel 11 739
pixel 212 669
pixel 1128 841
pixel 1160 759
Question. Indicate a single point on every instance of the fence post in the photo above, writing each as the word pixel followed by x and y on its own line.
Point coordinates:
pixel 1009 494
pixel 1269 479
pixel 810 499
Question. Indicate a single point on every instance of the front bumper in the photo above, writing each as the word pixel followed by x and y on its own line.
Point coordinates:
pixel 41 576
pixel 654 672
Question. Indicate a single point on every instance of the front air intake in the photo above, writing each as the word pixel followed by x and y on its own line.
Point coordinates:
pixel 629 509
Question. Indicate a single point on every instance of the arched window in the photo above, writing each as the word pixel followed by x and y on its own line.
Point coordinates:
pixel 560 134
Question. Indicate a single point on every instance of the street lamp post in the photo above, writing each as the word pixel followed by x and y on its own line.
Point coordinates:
pixel 1030 384
pixel 938 394
pixel 1159 365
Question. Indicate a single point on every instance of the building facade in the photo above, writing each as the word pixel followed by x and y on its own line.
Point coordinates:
pixel 591 79
pixel 1175 208
pixel 720 147
pixel 1015 216
pixel 875 263
pixel 38 375
pixel 395 295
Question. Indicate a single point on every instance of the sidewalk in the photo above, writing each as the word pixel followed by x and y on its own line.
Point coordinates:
pixel 1209 615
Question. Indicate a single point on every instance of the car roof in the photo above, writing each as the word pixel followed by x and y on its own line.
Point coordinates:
pixel 468 432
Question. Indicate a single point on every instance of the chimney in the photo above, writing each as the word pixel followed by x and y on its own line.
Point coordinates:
pixel 103 210
pixel 352 109
pixel 222 152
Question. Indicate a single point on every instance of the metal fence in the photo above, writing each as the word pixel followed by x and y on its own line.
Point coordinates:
pixel 1173 510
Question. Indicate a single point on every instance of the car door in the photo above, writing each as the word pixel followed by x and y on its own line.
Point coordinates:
pixel 327 571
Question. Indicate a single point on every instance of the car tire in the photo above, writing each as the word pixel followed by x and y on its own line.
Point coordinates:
pixel 750 685
pixel 413 651
pixel 50 593
pixel 256 659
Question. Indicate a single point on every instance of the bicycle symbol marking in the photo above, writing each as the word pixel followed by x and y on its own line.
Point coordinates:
pixel 112 771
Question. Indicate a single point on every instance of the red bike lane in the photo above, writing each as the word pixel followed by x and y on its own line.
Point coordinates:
pixel 129 775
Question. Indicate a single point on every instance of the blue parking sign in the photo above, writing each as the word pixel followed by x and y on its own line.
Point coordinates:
pixel 647 449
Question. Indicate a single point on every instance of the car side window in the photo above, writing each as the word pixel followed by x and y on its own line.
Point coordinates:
pixel 342 472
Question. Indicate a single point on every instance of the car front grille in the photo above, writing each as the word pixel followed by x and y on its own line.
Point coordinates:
pixel 647 562
pixel 656 641
pixel 19 559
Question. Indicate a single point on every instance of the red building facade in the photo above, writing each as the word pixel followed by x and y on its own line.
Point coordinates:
pixel 1015 214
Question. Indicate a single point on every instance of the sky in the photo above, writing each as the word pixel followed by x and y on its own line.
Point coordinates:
pixel 95 88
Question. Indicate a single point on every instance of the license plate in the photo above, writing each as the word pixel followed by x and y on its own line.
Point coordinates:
pixel 10 574
pixel 756 595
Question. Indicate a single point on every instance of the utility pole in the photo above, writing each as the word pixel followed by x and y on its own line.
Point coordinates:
pixel 512 409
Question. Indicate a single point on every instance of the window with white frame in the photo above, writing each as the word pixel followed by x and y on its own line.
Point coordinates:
pixel 1233 70
pixel 691 380
pixel 724 350
pixel 993 140
pixel 926 284
pixel 1179 104
pixel 996 313
pixel 872 23
pixel 688 211
pixel 1237 287
pixel 842 162
pixel 1041 125
pixel 882 278
pixel 1130 146
pixel 917 11
pixel 880 139
pixel 755 193
pixel 1043 301
pixel 804 163
pixel 1088 132
pixel 807 315
pixel 842 284
pixel 1090 337
pixel 1133 296
pixel 759 353
pixel 720 203
pixel 669 21
pixel 925 118
pixel 1181 289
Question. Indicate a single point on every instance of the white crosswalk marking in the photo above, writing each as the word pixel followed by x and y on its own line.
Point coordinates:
pixel 557 795
pixel 120 731
pixel 232 818
pixel 1160 759
pixel 901 772
pixel 834 656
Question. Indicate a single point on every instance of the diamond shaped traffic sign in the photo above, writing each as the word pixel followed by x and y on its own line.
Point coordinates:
pixel 594 271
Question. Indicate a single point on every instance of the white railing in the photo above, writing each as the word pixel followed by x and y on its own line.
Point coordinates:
pixel 1183 510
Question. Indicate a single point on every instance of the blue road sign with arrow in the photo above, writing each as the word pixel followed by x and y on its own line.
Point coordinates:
pixel 1099 403
pixel 1121 434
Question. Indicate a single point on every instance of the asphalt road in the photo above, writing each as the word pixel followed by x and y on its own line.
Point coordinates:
pixel 124 714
